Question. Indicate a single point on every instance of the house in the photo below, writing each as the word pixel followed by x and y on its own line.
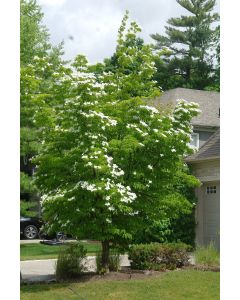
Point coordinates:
pixel 205 164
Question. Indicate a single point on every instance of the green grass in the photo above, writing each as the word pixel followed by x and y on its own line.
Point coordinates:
pixel 207 256
pixel 40 251
pixel 175 285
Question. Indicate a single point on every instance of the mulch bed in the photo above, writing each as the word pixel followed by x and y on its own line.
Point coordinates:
pixel 203 268
pixel 122 275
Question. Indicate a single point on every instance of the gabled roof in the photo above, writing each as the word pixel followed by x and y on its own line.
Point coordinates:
pixel 209 104
pixel 210 150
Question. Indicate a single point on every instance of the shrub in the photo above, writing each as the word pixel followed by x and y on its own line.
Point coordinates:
pixel 28 209
pixel 100 269
pixel 114 262
pixel 207 256
pixel 70 262
pixel 157 256
pixel 181 228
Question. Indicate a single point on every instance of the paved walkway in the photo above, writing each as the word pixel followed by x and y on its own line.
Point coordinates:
pixel 44 269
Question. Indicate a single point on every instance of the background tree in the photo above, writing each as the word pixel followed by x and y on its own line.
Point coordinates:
pixel 39 60
pixel 110 161
pixel 188 47
pixel 34 36
pixel 216 85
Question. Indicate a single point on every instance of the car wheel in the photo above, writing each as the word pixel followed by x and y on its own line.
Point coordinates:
pixel 30 232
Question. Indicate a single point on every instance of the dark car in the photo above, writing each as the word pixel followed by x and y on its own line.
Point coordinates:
pixel 30 227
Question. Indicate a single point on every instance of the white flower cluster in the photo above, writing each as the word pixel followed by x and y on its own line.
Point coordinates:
pixel 87 103
pixel 185 107
pixel 115 170
pixel 58 128
pixel 135 127
pixel 150 109
pixel 82 75
pixel 104 119
pixel 126 194
pixel 89 186
pixel 48 197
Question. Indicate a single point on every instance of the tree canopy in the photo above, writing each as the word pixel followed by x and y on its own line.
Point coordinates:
pixel 188 48
pixel 36 81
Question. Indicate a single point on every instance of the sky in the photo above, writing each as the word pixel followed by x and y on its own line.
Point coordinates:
pixel 90 27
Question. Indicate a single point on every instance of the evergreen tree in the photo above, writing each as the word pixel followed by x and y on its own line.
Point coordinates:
pixel 188 47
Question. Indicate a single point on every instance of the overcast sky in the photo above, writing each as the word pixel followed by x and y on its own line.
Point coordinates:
pixel 90 27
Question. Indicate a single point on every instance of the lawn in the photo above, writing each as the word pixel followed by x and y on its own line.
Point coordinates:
pixel 40 251
pixel 175 285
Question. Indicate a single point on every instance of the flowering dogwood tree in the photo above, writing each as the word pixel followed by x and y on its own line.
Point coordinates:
pixel 108 158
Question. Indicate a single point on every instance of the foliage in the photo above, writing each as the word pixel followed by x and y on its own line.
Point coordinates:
pixel 33 35
pixel 39 60
pixel 100 269
pixel 109 159
pixel 114 262
pixel 26 183
pixel 159 256
pixel 216 85
pixel 187 50
pixel 207 256
pixel 178 226
pixel 27 209
pixel 168 230
pixel 70 262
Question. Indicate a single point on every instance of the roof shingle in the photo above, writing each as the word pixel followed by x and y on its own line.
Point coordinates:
pixel 211 149
pixel 209 104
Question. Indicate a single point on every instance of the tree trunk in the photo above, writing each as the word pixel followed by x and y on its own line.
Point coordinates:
pixel 105 255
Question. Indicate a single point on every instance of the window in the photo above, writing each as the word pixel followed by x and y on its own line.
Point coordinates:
pixel 211 189
pixel 195 140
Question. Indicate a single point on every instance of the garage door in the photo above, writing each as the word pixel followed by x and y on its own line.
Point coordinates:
pixel 211 213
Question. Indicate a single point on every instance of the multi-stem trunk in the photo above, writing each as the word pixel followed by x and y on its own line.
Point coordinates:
pixel 105 255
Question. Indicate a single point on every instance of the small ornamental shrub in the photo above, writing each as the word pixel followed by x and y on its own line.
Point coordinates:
pixel 70 262
pixel 207 256
pixel 100 269
pixel 114 262
pixel 157 256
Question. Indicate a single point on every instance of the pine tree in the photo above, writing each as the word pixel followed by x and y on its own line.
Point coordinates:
pixel 188 47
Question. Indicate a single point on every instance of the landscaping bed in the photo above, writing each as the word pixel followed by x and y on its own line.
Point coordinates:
pixel 203 268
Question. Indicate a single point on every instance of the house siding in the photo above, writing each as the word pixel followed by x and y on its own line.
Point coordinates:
pixel 207 170
pixel 208 216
